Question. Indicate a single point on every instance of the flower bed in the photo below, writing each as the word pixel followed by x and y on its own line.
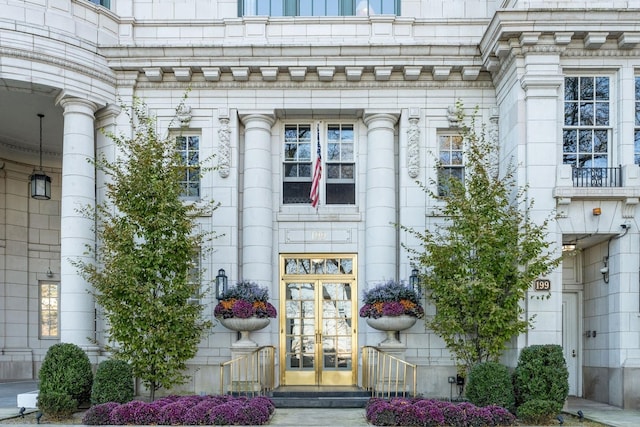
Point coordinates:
pixel 435 413
pixel 184 410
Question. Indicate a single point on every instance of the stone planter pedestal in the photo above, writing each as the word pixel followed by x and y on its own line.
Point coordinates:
pixel 245 326
pixel 390 325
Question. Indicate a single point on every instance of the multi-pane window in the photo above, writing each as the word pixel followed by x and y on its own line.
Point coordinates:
pixel 318 7
pixel 194 275
pixel 450 161
pixel 337 146
pixel 296 185
pixel 49 310
pixel 189 148
pixel 105 3
pixel 340 165
pixel 586 131
pixel 636 144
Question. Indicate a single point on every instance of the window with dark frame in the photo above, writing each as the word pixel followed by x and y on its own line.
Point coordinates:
pixel 189 148
pixel 337 143
pixel 318 7
pixel 587 127
pixel 450 161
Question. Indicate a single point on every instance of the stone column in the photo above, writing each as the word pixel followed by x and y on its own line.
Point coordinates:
pixel 257 199
pixel 77 308
pixel 381 206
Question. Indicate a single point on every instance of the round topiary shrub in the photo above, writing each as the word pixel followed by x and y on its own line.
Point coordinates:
pixel 541 374
pixel 66 369
pixel 56 405
pixel 489 383
pixel 113 382
pixel 537 411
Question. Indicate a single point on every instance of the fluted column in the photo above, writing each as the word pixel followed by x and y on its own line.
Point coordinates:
pixel 257 199
pixel 76 231
pixel 381 205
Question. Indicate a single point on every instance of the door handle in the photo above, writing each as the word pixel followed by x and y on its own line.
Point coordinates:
pixel 573 353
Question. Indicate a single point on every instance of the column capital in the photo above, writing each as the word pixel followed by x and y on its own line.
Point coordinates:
pixel 76 105
pixel 370 118
pixel 255 117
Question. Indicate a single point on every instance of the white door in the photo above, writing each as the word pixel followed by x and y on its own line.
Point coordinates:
pixel 571 340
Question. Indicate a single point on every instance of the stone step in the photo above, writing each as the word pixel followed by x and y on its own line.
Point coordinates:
pixel 314 397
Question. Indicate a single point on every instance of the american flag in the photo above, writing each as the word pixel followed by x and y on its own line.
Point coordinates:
pixel 315 182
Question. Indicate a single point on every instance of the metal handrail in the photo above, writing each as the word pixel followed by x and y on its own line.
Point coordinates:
pixel 249 375
pixel 387 376
pixel 597 177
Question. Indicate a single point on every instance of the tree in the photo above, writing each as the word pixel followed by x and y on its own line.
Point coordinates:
pixel 480 262
pixel 148 240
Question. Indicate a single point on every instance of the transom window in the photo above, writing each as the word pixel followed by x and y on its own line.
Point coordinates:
pixel 586 132
pixel 49 310
pixel 189 148
pixel 450 161
pixel 337 145
pixel 318 7
pixel 636 144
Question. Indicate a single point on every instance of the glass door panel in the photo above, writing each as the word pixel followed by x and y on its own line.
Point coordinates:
pixel 300 331
pixel 337 348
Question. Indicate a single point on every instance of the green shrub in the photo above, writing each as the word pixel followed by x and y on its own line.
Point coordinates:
pixel 537 411
pixel 56 405
pixel 541 374
pixel 66 369
pixel 113 382
pixel 489 383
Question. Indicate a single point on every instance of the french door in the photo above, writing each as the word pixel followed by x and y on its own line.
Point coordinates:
pixel 318 330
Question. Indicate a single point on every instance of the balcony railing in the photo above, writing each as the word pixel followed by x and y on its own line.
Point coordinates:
pixel 597 177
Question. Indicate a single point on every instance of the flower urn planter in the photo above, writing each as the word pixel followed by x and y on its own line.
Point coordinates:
pixel 245 326
pixel 391 325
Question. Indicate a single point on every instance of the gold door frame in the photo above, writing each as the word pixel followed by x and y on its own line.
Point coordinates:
pixel 306 356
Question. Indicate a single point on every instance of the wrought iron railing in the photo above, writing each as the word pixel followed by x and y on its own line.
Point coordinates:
pixel 597 177
pixel 249 375
pixel 387 376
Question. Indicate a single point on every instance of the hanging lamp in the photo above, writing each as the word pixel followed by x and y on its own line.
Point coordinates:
pixel 40 181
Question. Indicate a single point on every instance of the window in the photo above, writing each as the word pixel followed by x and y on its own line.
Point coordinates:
pixel 318 7
pixel 451 161
pixel 338 176
pixel 194 275
pixel 49 313
pixel 189 148
pixel 586 131
pixel 340 166
pixel 636 139
pixel 105 3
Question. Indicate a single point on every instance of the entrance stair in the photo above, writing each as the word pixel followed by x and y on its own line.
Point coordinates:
pixel 319 397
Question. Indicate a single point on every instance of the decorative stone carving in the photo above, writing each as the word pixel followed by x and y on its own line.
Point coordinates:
pixel 224 147
pixel 413 147
pixel 183 114
pixel 453 117
pixel 494 139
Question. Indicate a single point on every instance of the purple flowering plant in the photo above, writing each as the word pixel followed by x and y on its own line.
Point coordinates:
pixel 434 413
pixel 391 299
pixel 183 410
pixel 245 300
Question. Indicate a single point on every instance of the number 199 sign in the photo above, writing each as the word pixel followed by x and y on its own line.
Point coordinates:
pixel 542 285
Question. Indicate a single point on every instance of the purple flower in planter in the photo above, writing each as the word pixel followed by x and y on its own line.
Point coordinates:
pixel 242 309
pixel 394 308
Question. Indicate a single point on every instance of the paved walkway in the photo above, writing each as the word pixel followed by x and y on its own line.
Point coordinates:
pixel 338 417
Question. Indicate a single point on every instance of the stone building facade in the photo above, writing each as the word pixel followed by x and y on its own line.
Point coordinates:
pixel 373 86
